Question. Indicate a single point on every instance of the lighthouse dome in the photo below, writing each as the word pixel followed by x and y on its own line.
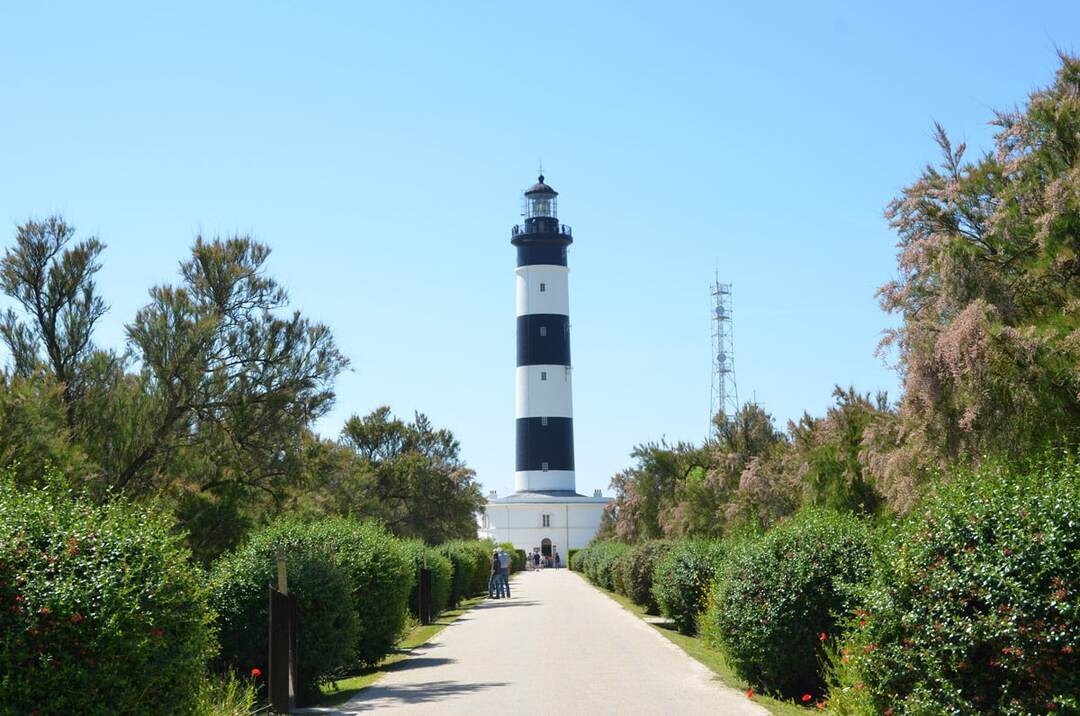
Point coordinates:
pixel 540 188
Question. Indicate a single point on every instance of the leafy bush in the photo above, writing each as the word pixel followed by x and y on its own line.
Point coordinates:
pixel 600 563
pixel 442 572
pixel 775 600
pixel 228 695
pixel 381 575
pixel 976 604
pixel 682 579
pixel 101 611
pixel 471 560
pixel 636 568
pixel 571 556
pixel 326 621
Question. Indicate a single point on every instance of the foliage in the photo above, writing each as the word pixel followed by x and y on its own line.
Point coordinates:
pixel 636 568
pixel 326 620
pixel 682 579
pixel 989 293
pixel 976 603
pixel 600 561
pixel 442 572
pixel 101 611
pixel 471 560
pixel 776 600
pixel 381 577
pixel 411 477
pixel 228 695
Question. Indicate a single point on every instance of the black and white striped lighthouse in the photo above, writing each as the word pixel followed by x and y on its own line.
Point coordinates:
pixel 544 410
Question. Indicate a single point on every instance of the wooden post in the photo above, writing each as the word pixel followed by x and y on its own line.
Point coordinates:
pixel 281 667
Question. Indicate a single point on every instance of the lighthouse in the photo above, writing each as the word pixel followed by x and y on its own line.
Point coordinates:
pixel 545 513
pixel 544 407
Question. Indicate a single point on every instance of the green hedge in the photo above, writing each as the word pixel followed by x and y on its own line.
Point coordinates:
pixel 776 597
pixel 382 577
pixel 976 604
pixel 471 560
pixel 101 609
pixel 442 572
pixel 326 621
pixel 682 579
pixel 572 560
pixel 636 567
pixel 599 563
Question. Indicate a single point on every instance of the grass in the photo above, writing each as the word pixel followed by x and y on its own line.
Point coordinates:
pixel 711 658
pixel 341 691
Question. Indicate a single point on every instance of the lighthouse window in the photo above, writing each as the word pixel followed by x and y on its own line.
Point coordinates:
pixel 546 521
pixel 543 331
pixel 543 422
pixel 544 466
pixel 543 375
pixel 543 287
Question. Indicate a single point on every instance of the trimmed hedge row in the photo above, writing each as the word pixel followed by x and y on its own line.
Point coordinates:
pixel 975 606
pixel 682 580
pixel 442 572
pixel 471 561
pixel 969 605
pixel 775 601
pixel 101 609
pixel 635 572
pixel 351 583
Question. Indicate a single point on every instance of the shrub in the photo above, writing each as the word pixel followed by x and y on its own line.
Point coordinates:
pixel 471 560
pixel 326 620
pixel 682 579
pixel 776 596
pixel 976 603
pixel 101 611
pixel 381 576
pixel 600 563
pixel 442 572
pixel 571 557
pixel 636 568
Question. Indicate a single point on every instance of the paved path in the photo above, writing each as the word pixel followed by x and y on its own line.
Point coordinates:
pixel 558 647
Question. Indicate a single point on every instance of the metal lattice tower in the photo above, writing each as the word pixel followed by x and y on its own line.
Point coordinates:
pixel 724 394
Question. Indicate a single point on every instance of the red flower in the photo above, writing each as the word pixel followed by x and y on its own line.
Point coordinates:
pixel 820 704
pixel 888 711
pixel 18 598
pixel 256 672
pixel 156 633
pixel 806 697
pixel 823 636
pixel 44 611
pixel 76 618
pixel 749 693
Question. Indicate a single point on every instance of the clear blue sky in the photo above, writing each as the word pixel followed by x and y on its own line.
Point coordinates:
pixel 381 148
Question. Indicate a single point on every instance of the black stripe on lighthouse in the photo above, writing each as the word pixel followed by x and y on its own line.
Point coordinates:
pixel 543 339
pixel 545 443
pixel 552 254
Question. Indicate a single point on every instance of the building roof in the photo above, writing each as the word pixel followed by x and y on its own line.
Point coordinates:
pixel 540 188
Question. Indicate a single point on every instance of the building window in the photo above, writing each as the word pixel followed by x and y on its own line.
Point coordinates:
pixel 545 520
pixel 543 421
pixel 543 287
pixel 543 331
pixel 544 466
pixel 543 375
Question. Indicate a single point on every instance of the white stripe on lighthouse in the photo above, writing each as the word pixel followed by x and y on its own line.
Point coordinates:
pixel 543 288
pixel 543 391
pixel 536 480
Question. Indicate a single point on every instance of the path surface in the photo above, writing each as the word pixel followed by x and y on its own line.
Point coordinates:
pixel 558 646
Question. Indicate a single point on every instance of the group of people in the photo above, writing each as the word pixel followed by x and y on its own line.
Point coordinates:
pixel 499 581
pixel 537 560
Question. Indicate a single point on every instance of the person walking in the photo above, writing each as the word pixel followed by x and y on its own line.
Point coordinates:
pixel 504 572
pixel 494 583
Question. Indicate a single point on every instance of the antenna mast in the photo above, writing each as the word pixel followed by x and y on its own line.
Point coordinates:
pixel 724 393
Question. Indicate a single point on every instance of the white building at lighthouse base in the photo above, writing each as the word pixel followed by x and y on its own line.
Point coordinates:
pixel 550 522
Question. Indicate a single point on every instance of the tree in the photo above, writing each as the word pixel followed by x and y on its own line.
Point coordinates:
pixel 989 293
pixel 410 476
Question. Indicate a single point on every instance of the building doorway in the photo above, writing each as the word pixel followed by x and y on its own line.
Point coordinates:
pixel 545 547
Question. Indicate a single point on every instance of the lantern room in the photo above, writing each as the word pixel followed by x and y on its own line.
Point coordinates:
pixel 541 201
